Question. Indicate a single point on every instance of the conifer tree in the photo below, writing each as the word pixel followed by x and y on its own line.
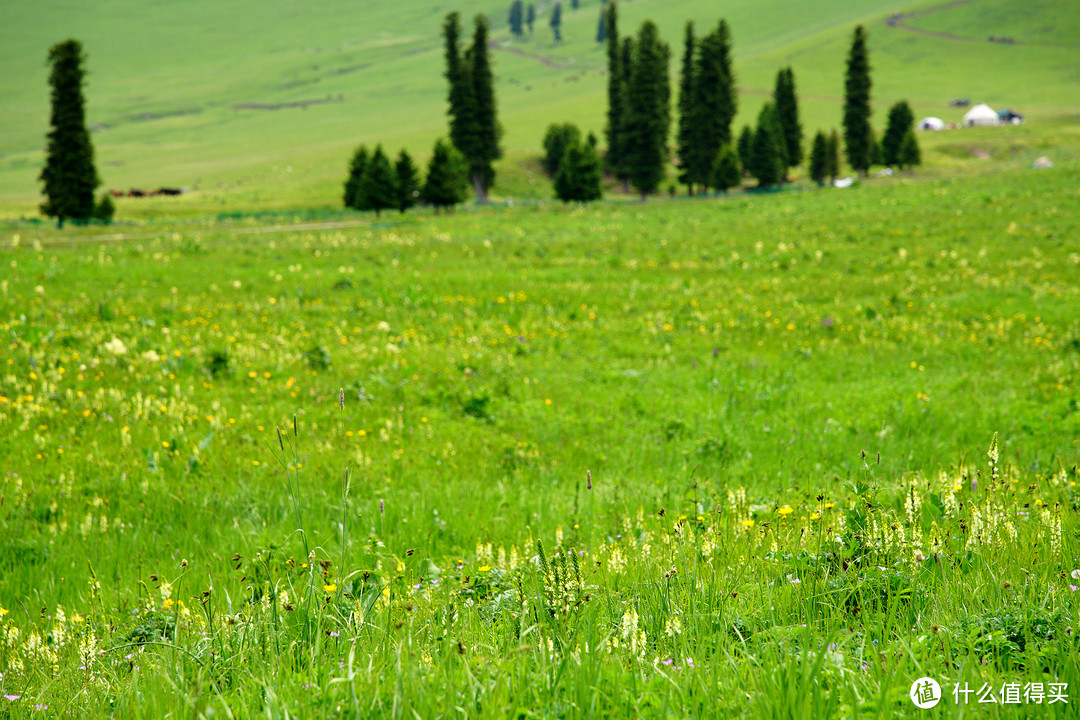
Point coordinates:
pixel 377 189
pixel 530 17
pixel 474 129
pixel 711 109
pixel 579 176
pixel 557 138
pixel 910 156
pixel 685 136
pixel 556 21
pixel 69 175
pixel 648 116
pixel 487 149
pixel 517 18
pixel 858 135
pixel 615 91
pixel 819 161
pixel 574 4
pixel 726 172
pixel 729 98
pixel 746 141
pixel 832 155
pixel 766 155
pixel 351 196
pixel 787 114
pixel 447 178
pixel 407 181
pixel 601 28
pixel 901 120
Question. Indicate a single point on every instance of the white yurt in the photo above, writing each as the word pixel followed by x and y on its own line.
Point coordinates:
pixel 931 123
pixel 981 114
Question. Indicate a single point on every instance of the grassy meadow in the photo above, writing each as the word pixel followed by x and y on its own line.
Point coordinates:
pixel 760 456
pixel 259 105
pixel 766 455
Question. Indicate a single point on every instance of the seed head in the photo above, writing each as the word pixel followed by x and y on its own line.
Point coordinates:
pixel 341 398
pixel 588 479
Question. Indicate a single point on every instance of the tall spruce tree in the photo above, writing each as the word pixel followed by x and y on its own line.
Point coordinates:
pixel 685 135
pixel 378 189
pixel 487 150
pixel 901 120
pixel 530 17
pixel 556 21
pixel 474 129
pixel 517 18
pixel 766 152
pixel 462 110
pixel 601 27
pixel 787 113
pixel 858 135
pixel 615 96
pixel 357 166
pixel 819 161
pixel 447 180
pixel 712 108
pixel 648 117
pixel 407 181
pixel 69 175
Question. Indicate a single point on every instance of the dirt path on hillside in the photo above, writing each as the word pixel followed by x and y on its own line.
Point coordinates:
pixel 900 22
pixel 542 59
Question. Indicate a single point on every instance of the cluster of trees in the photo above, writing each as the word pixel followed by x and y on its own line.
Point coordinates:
pixel 898 146
pixel 774 146
pixel 522 16
pixel 376 184
pixel 69 175
pixel 639 105
pixel 573 163
pixel 707 105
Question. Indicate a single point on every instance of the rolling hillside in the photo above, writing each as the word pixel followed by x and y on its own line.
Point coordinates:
pixel 258 104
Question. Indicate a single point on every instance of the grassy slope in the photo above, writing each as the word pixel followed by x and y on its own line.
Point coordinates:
pixel 166 91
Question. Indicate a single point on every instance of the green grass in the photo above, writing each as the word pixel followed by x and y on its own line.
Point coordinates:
pixel 166 92
pixel 785 402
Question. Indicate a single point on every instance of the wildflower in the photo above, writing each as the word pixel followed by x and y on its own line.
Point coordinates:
pixel 484 568
pixel 748 523
pixel 332 587
pixel 116 347
pixel 785 511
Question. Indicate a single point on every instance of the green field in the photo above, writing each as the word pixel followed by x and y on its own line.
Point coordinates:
pixel 171 85
pixel 785 403
pixel 765 455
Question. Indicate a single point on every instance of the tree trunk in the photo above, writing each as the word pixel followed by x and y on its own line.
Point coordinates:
pixel 478 187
